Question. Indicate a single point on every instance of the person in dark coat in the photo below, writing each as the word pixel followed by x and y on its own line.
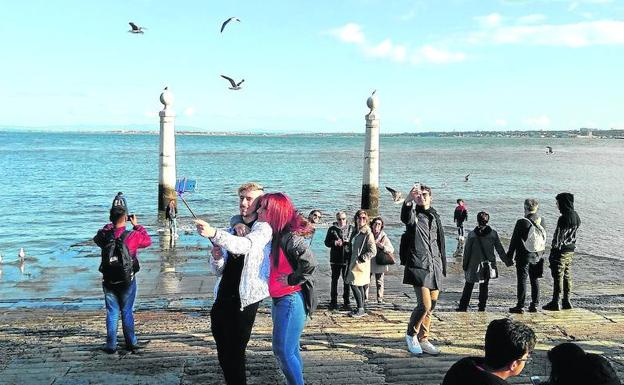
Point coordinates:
pixel 338 239
pixel 562 252
pixel 480 246
pixel 423 253
pixel 528 264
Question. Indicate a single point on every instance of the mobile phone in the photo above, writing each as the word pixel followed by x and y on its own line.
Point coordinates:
pixel 535 380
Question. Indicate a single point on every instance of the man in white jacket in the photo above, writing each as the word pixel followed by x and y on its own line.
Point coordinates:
pixel 243 273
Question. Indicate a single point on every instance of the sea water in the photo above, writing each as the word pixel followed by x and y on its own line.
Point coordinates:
pixel 57 188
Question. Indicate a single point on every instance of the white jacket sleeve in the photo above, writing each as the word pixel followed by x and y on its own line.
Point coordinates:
pixel 259 236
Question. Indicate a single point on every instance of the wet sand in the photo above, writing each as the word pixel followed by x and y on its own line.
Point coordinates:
pixel 50 330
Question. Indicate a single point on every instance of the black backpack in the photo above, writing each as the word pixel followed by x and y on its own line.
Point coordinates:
pixel 117 264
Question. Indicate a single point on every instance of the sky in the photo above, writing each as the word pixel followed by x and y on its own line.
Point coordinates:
pixel 309 66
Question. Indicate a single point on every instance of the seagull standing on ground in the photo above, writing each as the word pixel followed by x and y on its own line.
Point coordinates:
pixel 397 196
pixel 135 28
pixel 466 178
pixel 227 21
pixel 235 86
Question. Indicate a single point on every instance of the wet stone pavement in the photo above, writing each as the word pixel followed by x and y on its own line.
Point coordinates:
pixel 54 340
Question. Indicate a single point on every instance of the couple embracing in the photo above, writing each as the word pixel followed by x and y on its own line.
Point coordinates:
pixel 263 253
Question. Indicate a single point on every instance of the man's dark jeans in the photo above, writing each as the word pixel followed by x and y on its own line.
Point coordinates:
pixel 562 277
pixel 338 271
pixel 231 329
pixel 524 269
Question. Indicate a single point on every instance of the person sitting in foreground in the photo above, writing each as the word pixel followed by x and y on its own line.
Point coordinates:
pixel 508 346
pixel 560 357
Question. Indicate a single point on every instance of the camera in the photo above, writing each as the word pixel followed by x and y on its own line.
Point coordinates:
pixel 129 217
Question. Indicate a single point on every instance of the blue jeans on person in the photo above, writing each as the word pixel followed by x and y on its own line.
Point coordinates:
pixel 288 313
pixel 120 300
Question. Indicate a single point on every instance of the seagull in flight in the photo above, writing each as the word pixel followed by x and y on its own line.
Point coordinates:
pixel 397 196
pixel 466 178
pixel 21 254
pixel 549 151
pixel 227 21
pixel 135 28
pixel 235 86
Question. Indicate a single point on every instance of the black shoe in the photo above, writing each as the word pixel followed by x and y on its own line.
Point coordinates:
pixel 566 305
pixel 137 346
pixel 516 310
pixel 461 309
pixel 551 306
pixel 532 308
pixel 333 306
pixel 481 308
pixel 346 306
pixel 108 350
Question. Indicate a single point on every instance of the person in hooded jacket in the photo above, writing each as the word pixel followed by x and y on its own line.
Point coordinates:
pixel 480 245
pixel 562 252
pixel 528 264
pixel 422 251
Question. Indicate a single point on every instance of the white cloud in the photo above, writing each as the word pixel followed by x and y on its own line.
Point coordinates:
pixel 386 49
pixel 531 19
pixel 189 111
pixel 538 121
pixel 351 33
pixel 436 55
pixel 500 122
pixel 601 32
pixel 492 20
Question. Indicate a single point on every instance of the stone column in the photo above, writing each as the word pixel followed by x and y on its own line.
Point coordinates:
pixel 167 170
pixel 370 180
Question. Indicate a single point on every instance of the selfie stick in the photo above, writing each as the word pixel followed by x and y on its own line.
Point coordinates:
pixel 187 206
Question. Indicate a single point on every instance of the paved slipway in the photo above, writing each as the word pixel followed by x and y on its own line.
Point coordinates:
pixel 55 340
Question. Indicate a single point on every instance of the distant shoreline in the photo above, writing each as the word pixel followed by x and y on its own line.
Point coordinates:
pixel 566 134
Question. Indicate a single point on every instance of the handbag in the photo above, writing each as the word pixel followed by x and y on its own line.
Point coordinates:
pixel 486 269
pixel 384 257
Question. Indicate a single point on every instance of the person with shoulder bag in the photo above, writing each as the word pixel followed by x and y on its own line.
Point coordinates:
pixel 380 264
pixel 479 263
pixel 363 248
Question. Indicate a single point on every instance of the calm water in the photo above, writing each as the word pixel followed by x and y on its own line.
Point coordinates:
pixel 57 188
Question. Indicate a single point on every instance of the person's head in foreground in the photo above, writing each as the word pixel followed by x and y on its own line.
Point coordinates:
pixel 508 347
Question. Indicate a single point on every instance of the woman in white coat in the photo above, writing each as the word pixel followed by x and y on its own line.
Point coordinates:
pixel 384 246
pixel 363 248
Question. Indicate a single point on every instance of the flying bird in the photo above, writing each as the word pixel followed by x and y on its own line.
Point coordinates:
pixel 21 253
pixel 549 151
pixel 135 28
pixel 235 86
pixel 397 196
pixel 466 178
pixel 227 21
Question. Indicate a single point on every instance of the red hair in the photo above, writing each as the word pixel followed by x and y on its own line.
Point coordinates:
pixel 283 218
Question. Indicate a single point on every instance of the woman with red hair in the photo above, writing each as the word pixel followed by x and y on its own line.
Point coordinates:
pixel 290 280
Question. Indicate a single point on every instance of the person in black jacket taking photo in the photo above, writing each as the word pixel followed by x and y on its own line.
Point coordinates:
pixel 422 251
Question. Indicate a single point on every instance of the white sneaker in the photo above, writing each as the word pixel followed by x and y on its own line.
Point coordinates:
pixel 428 348
pixel 412 345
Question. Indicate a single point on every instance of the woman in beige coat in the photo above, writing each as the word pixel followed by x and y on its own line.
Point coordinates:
pixel 383 246
pixel 363 248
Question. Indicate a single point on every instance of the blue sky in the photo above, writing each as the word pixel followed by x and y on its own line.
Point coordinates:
pixel 310 65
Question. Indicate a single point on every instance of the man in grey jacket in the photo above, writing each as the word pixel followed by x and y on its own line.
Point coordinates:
pixel 423 253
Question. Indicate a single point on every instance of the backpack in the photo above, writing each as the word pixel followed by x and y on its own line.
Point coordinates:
pixel 116 266
pixel 536 238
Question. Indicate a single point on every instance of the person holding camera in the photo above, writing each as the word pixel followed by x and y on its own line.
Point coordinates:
pixel 119 244
pixel 338 239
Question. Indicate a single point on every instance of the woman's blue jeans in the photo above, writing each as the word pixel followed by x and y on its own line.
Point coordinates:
pixel 289 317
pixel 120 299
